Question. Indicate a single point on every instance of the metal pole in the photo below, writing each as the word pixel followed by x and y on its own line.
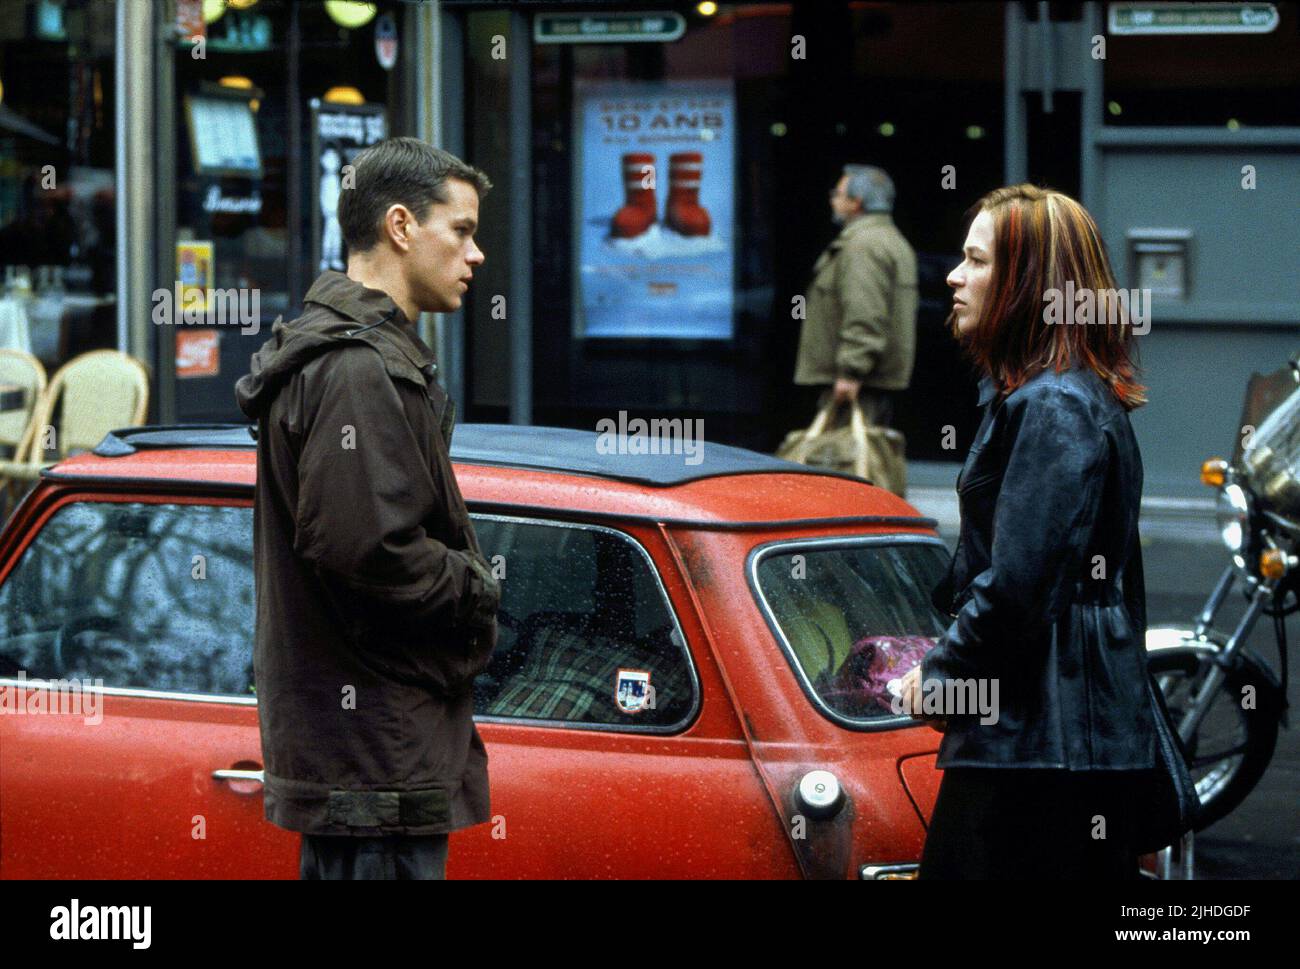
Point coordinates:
pixel 293 194
pixel 1015 165
pixel 1047 45
pixel 423 22
pixel 519 310
pixel 1090 165
pixel 135 179
pixel 443 124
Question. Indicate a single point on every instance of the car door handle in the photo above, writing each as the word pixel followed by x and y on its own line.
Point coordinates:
pixel 904 871
pixel 239 775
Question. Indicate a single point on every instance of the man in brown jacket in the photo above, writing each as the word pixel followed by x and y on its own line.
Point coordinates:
pixel 859 331
pixel 375 606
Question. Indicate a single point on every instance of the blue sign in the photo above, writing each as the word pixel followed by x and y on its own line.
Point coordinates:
pixel 655 209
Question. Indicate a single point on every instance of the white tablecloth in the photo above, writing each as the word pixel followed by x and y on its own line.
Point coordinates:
pixel 14 331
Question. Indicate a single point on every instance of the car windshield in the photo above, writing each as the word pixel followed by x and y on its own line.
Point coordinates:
pixel 853 617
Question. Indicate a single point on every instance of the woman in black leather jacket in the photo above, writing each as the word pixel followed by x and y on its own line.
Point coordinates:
pixel 1045 586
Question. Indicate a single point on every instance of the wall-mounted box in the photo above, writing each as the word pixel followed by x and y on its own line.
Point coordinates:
pixel 1159 261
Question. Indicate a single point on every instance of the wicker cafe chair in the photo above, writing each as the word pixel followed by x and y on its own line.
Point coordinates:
pixel 19 369
pixel 17 427
pixel 98 391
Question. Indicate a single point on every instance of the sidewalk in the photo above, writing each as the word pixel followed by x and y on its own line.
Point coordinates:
pixel 932 490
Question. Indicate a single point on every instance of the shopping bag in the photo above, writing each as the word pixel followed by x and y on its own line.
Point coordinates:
pixel 859 448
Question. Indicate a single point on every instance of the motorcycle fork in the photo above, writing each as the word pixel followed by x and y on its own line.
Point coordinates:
pixel 1211 607
pixel 1224 659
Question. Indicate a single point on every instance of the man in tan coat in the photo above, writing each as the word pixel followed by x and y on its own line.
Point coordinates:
pixel 859 332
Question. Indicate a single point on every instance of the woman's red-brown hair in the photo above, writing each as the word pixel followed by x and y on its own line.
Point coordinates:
pixel 1042 239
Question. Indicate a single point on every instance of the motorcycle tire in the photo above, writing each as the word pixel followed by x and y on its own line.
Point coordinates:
pixel 1260 724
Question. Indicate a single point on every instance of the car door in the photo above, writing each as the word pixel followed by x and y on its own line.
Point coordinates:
pixel 613 749
pixel 817 616
pixel 139 756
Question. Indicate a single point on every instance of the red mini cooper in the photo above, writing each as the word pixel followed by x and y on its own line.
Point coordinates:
pixel 690 679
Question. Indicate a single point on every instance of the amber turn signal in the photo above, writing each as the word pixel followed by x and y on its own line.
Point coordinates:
pixel 1273 563
pixel 1213 472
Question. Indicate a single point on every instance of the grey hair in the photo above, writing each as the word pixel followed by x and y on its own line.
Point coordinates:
pixel 872 185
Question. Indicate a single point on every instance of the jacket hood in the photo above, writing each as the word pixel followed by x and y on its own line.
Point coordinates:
pixel 337 311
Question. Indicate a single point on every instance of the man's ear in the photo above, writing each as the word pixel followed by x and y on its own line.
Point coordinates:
pixel 397 226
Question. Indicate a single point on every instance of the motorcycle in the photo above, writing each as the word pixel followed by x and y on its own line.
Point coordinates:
pixel 1225 700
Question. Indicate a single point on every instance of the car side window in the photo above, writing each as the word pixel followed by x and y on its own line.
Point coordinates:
pixel 138 595
pixel 585 632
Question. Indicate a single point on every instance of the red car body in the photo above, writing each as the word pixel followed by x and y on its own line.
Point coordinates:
pixel 137 794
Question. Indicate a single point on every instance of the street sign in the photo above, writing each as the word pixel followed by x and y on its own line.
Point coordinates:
pixel 1193 18
pixel 617 28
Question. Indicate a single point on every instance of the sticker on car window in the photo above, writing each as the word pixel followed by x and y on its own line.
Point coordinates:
pixel 633 692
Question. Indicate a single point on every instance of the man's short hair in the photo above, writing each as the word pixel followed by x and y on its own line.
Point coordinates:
pixel 872 185
pixel 405 170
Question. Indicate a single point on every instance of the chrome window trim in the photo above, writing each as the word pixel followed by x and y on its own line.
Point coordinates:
pixel 244 701
pixel 760 552
pixel 677 634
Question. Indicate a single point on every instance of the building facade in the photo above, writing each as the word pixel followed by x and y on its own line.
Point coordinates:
pixel 661 174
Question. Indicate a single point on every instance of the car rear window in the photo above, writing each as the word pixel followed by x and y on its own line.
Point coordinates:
pixel 852 616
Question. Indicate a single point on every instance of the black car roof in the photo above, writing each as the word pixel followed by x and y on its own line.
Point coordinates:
pixel 557 449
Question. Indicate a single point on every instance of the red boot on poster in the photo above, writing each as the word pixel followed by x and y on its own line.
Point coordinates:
pixel 638 213
pixel 684 214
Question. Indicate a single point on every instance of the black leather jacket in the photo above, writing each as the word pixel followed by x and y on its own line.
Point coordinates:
pixel 1053 480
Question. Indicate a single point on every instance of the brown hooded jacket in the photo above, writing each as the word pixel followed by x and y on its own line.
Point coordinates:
pixel 375 607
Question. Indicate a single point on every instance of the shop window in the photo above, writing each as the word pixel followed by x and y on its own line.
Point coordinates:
pixel 865 92
pixel 57 195
pixel 252 155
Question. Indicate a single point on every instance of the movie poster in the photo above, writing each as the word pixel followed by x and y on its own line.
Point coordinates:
pixel 338 133
pixel 654 200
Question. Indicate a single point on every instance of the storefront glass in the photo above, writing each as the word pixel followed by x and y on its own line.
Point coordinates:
pixel 57 193
pixel 743 124
pixel 284 94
